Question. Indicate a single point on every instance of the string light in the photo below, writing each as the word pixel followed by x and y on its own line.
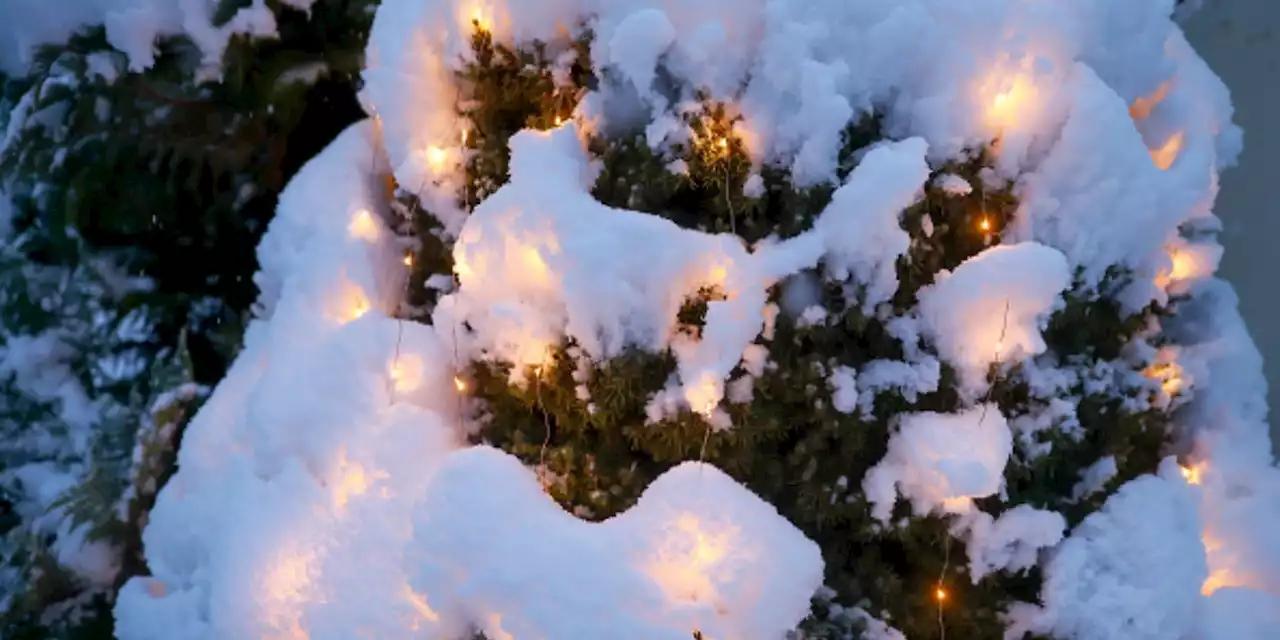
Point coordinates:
pixel 363 226
pixel 408 260
pixel 480 20
pixel 1191 474
pixel 940 594
pixel 436 158
pixel 359 308
pixel 459 384
pixel 559 120
pixel 546 426
pixel 985 224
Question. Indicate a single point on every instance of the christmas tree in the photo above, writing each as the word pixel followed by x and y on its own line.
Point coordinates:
pixel 136 182
pixel 740 320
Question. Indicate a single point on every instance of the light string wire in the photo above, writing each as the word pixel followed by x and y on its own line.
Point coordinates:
pixel 941 593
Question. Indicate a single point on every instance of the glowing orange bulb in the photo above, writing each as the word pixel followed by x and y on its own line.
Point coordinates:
pixel 363 226
pixel 459 384
pixel 940 594
pixel 436 158
pixel 559 120
pixel 1191 474
pixel 408 259
pixel 985 224
pixel 480 21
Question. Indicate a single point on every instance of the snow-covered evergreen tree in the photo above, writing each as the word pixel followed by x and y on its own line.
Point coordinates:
pixel 139 164
pixel 740 319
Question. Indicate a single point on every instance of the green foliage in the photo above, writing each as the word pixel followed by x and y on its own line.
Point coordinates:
pixel 788 443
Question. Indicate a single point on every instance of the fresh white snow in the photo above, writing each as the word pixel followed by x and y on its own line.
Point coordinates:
pixel 322 491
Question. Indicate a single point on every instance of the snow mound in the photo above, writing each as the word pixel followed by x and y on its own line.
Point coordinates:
pixel 697 552
pixel 941 461
pixel 296 478
pixel 1131 570
pixel 993 307
pixel 540 259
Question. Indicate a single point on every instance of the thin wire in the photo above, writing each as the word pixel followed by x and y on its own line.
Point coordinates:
pixel 940 594
pixel 706 437
pixel 546 425
pixel 946 564
pixel 457 366
pixel 1004 328
pixel 733 216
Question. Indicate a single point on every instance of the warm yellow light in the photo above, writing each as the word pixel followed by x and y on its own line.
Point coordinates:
pixel 1142 107
pixel 940 594
pixel 686 565
pixel 420 606
pixel 408 260
pixel 1007 107
pixel 358 308
pixel 436 158
pixel 465 132
pixel 480 19
pixel 1216 580
pixel 459 384
pixel 1192 474
pixel 363 226
pixel 724 144
pixel 1167 153
pixel 559 120
pixel 1169 374
pixel 283 586
pixel 984 224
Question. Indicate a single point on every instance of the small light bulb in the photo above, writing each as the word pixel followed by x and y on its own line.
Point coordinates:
pixel 408 259
pixel 985 224
pixel 459 384
pixel 559 120
pixel 436 158
pixel 940 594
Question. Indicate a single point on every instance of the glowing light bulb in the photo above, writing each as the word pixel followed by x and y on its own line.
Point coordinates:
pixel 408 260
pixel 465 132
pixel 559 120
pixel 984 224
pixel 436 158
pixel 459 384
pixel 363 226
pixel 724 143
pixel 1191 474
pixel 480 20
pixel 940 594
pixel 358 309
